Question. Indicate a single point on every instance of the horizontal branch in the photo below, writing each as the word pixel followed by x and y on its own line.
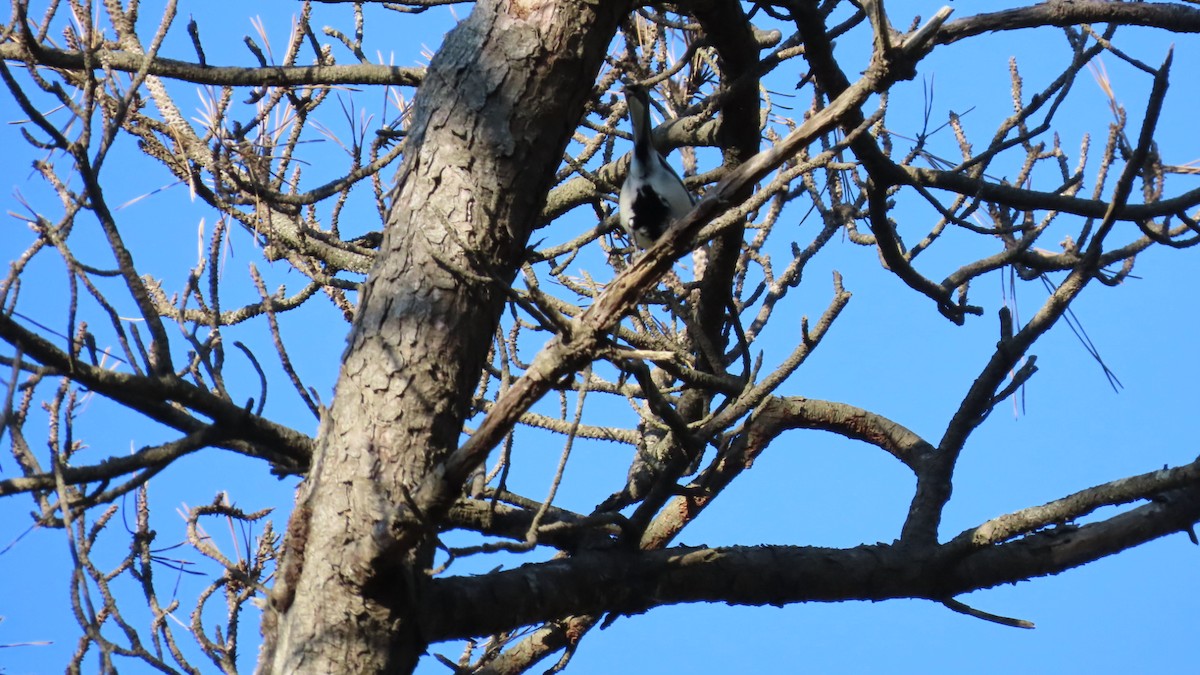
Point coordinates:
pixel 114 467
pixel 566 428
pixel 634 582
pixel 558 527
pixel 626 582
pixel 226 76
pixel 1024 199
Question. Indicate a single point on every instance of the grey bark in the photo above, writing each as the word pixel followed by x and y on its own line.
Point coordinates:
pixel 493 116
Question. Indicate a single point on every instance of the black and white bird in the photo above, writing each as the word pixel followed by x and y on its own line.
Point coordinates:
pixel 653 195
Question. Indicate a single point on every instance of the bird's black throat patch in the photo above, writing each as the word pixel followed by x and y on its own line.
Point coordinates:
pixel 651 214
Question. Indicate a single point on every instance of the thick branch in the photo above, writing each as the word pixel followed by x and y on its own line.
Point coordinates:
pixel 631 583
pixel 796 412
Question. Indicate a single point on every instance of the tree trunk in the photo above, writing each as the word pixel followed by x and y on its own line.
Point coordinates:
pixel 492 119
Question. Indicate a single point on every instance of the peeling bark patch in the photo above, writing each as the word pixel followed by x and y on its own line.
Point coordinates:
pixel 521 9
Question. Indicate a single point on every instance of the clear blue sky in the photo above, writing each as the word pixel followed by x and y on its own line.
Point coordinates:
pixel 890 353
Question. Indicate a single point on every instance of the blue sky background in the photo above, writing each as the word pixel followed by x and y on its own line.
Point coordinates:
pixel 890 352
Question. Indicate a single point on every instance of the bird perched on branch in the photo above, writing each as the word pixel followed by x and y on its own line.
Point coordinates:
pixel 653 195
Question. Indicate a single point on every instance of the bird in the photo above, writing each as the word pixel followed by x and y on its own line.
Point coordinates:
pixel 653 196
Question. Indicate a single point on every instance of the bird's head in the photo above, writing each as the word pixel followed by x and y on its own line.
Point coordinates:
pixel 638 100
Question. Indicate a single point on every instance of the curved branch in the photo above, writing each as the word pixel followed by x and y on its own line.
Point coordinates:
pixel 1170 17
pixel 797 412
pixel 887 65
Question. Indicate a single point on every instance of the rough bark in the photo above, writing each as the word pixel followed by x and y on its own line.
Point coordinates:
pixel 493 117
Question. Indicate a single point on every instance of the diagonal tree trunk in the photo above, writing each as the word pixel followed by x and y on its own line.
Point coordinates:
pixel 492 119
